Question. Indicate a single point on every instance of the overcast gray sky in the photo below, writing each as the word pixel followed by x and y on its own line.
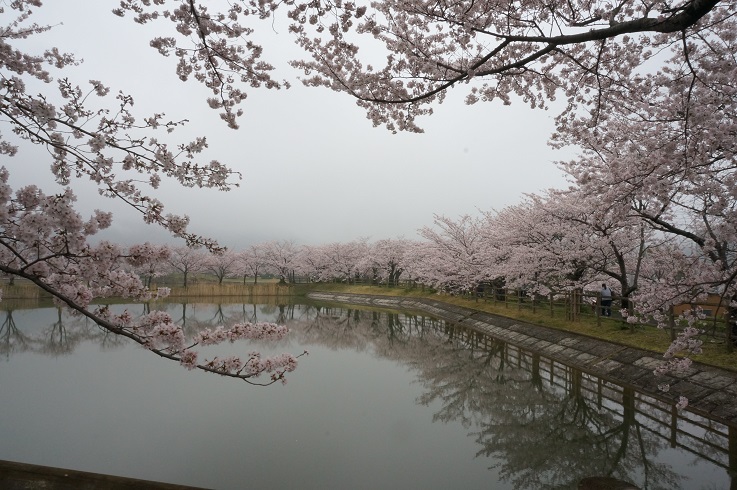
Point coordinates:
pixel 315 170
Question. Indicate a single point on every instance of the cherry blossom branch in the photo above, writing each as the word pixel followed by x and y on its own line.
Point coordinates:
pixel 40 122
pixel 157 333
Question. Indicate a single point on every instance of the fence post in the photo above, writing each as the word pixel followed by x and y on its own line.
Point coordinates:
pixel 598 309
pixel 673 427
pixel 728 324
pixel 671 323
pixel 551 304
pixel 575 304
pixel 732 445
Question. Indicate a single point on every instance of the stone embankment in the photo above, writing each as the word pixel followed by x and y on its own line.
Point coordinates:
pixel 712 392
pixel 22 476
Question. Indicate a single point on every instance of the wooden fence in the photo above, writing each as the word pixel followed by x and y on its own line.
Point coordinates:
pixel 26 291
pixel 231 289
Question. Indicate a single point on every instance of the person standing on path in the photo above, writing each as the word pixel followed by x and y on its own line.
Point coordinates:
pixel 606 301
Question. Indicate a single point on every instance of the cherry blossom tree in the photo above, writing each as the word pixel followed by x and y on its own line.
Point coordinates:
pixel 249 262
pixel 568 240
pixel 454 260
pixel 670 157
pixel 343 260
pixel 416 256
pixel 150 269
pixel 92 135
pixel 618 242
pixel 281 258
pixel 222 264
pixel 532 249
pixel 583 50
pixel 387 259
pixel 186 261
pixel 665 151
pixel 89 136
pixel 49 242
pixel 313 264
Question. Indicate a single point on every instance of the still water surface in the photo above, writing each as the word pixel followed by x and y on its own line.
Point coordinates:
pixel 384 400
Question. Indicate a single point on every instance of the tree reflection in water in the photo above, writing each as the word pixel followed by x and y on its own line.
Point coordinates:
pixel 11 339
pixel 57 338
pixel 540 423
pixel 544 424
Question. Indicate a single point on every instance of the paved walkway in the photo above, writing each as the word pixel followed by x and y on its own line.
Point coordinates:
pixel 712 392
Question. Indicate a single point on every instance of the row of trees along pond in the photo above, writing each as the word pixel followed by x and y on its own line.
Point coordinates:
pixel 561 273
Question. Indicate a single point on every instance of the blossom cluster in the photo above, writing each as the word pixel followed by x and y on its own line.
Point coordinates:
pixel 686 343
pixel 157 332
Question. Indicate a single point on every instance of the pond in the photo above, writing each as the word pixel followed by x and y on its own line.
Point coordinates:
pixel 384 400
